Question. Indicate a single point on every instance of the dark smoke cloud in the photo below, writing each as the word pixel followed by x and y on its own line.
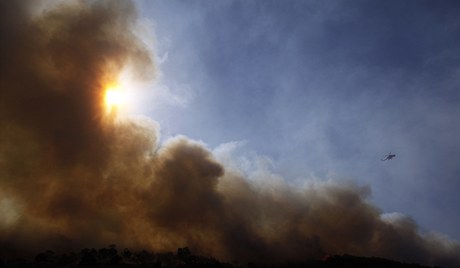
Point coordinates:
pixel 72 177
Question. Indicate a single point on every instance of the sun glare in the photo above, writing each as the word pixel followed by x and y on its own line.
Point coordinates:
pixel 115 97
pixel 120 94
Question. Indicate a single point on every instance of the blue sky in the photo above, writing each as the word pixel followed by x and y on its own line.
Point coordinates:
pixel 322 89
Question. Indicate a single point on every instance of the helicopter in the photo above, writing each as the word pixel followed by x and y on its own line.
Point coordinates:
pixel 388 157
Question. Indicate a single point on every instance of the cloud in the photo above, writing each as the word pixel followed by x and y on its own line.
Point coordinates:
pixel 73 177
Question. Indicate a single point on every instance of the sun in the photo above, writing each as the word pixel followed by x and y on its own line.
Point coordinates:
pixel 119 94
pixel 115 97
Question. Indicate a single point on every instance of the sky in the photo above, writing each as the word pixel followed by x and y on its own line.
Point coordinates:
pixel 247 131
pixel 321 90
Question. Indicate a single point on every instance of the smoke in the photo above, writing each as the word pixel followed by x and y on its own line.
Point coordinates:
pixel 72 177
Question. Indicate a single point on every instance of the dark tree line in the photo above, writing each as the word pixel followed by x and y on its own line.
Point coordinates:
pixel 183 258
pixel 112 257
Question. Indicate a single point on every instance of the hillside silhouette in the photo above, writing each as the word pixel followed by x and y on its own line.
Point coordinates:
pixel 183 258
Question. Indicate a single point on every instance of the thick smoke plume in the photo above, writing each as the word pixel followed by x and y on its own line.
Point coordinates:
pixel 73 177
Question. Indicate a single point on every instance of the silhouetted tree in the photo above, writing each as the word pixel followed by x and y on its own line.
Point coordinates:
pixel 145 257
pixel 68 259
pixel 47 257
pixel 88 257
